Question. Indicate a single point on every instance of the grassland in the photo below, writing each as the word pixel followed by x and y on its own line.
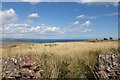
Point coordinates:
pixel 64 60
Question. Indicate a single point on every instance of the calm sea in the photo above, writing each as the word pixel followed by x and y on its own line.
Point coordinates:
pixel 44 40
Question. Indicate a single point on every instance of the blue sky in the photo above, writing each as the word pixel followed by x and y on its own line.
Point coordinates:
pixel 59 20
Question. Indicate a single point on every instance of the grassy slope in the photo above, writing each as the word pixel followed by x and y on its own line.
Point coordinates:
pixel 64 60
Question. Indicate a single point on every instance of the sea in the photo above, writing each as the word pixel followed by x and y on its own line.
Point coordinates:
pixel 42 40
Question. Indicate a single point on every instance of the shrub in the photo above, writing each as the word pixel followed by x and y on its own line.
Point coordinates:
pixel 105 39
pixel 111 38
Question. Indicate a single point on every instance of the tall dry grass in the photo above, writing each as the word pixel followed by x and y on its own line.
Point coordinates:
pixel 64 60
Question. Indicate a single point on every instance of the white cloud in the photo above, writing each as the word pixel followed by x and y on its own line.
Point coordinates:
pixel 87 17
pixel 87 23
pixel 115 4
pixel 75 23
pixel 92 17
pixel 51 29
pixel 23 29
pixel 84 1
pixel 99 3
pixel 81 16
pixel 38 27
pixel 33 15
pixel 111 14
pixel 87 30
pixel 18 25
pixel 43 24
pixel 29 21
pixel 8 16
pixel 33 1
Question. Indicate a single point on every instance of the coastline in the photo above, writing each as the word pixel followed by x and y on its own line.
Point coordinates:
pixel 9 44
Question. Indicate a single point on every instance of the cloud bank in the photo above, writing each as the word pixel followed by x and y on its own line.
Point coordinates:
pixel 8 16
pixel 12 29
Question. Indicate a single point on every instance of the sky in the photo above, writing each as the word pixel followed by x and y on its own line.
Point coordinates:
pixel 60 0
pixel 59 20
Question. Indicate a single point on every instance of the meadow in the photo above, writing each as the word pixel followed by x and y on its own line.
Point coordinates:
pixel 64 60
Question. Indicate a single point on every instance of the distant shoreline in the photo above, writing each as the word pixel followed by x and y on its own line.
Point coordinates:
pixel 54 41
pixel 43 40
pixel 10 44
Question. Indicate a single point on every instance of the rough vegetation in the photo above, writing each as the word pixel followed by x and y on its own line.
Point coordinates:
pixel 64 60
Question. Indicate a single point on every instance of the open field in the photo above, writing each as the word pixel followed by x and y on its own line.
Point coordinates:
pixel 64 60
